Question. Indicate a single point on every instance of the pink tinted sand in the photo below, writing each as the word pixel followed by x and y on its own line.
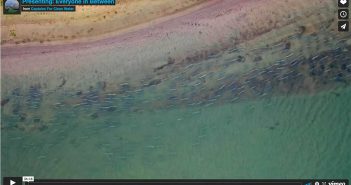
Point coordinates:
pixel 211 24
pixel 137 38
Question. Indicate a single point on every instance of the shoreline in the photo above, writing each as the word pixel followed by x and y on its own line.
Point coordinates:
pixel 185 62
pixel 138 53
pixel 138 32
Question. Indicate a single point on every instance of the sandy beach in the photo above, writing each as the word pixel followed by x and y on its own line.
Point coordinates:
pixel 174 38
pixel 86 21
pixel 230 39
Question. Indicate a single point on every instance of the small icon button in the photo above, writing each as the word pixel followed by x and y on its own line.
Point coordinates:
pixel 343 3
pixel 12 181
pixel 343 13
pixel 28 178
pixel 343 26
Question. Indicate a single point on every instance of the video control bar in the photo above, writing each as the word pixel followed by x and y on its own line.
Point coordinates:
pixel 29 180
pixel 159 182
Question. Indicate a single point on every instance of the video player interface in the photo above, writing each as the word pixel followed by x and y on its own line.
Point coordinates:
pixel 175 92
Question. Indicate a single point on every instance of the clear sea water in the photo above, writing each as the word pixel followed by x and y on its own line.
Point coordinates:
pixel 299 136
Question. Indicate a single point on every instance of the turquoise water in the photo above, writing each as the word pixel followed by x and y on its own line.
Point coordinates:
pixel 300 136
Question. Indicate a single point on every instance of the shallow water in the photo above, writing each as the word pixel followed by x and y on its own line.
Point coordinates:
pixel 299 136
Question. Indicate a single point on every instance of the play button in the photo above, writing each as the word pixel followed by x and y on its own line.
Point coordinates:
pixel 12 181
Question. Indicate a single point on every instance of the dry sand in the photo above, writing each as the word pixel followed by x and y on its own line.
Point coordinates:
pixel 87 21
pixel 211 28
